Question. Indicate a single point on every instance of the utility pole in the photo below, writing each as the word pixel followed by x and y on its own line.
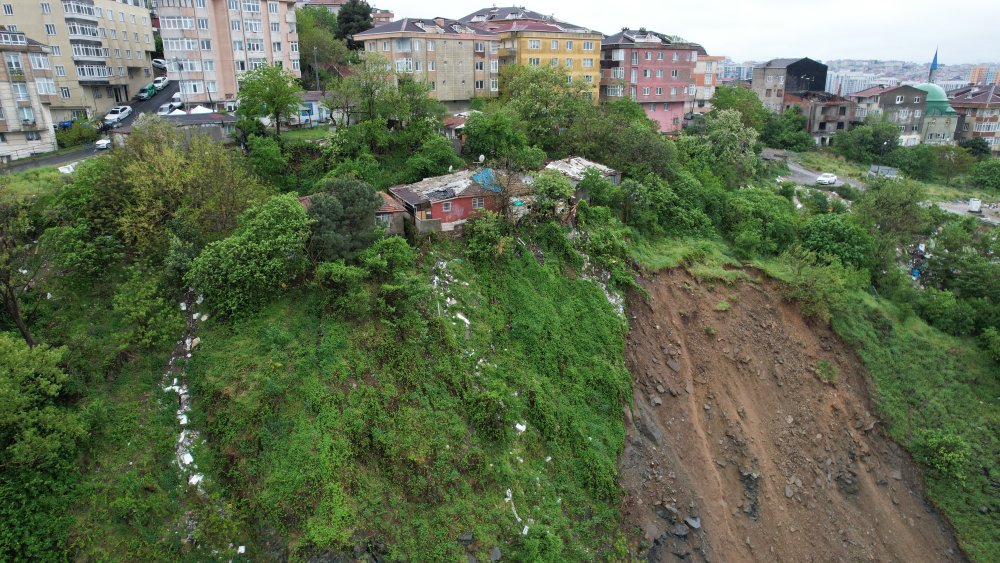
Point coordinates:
pixel 316 69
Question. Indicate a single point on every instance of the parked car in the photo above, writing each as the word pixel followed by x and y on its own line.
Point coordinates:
pixel 102 144
pixel 160 64
pixel 175 101
pixel 147 92
pixel 165 109
pixel 161 82
pixel 117 114
pixel 826 179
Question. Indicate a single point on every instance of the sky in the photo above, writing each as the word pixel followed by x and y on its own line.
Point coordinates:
pixel 744 30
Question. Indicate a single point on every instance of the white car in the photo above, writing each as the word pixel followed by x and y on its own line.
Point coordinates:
pixel 102 144
pixel 117 114
pixel 826 179
pixel 165 109
pixel 160 64
pixel 161 82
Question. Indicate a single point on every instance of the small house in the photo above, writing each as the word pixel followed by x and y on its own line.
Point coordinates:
pixel 877 170
pixel 443 203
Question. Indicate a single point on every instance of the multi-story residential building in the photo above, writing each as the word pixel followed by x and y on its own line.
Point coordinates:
pixel 530 38
pixel 382 17
pixel 459 62
pixel 734 71
pixel 652 70
pixel 707 75
pixel 100 50
pixel 902 105
pixel 983 74
pixel 825 113
pixel 978 108
pixel 333 6
pixel 27 88
pixel 209 44
pixel 777 78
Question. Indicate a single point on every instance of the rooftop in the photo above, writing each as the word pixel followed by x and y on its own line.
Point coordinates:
pixel 977 94
pixel 431 25
pixel 574 167
pixel 517 13
pixel 463 183
pixel 650 38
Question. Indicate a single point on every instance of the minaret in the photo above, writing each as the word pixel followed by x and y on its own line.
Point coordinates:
pixel 934 65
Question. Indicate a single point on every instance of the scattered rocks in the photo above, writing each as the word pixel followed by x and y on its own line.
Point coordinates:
pixel 897 475
pixel 679 530
pixel 495 554
pixel 466 537
pixel 788 491
pixel 660 389
pixel 672 364
pixel 693 521
pixel 656 401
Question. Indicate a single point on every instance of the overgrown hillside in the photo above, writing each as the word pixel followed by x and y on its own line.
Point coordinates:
pixel 385 422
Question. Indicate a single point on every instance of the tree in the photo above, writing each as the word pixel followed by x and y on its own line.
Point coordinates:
pixel 15 229
pixel 434 158
pixel 841 236
pixel 551 188
pixel 872 142
pixel 952 161
pixel 744 101
pixel 787 130
pixel 977 147
pixel 343 216
pixel 353 17
pixel 267 161
pixel 917 162
pixel 267 251
pixel 759 222
pixel 731 145
pixel 891 211
pixel 318 45
pixel 987 174
pixel 270 90
pixel 545 101
pixel 497 135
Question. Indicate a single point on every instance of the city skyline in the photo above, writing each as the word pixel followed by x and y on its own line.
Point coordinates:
pixel 736 28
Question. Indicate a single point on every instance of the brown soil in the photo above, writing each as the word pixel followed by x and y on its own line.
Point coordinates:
pixel 731 429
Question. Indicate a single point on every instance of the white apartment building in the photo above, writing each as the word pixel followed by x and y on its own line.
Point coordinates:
pixel 26 90
pixel 99 50
pixel 209 44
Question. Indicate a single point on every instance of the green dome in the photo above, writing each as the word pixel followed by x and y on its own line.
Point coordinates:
pixel 935 93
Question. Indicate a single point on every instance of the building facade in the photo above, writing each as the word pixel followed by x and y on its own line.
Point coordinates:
pixel 100 50
pixel 707 75
pixel 778 77
pixel 940 119
pixel 532 39
pixel 27 88
pixel 901 105
pixel 983 74
pixel 458 62
pixel 978 109
pixel 825 113
pixel 652 70
pixel 210 44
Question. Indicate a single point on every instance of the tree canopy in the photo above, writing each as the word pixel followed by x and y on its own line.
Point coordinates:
pixel 272 91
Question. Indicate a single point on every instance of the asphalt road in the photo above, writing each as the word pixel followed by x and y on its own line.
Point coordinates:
pixel 85 152
pixel 805 177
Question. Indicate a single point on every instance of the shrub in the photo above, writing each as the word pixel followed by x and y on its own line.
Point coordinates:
pixel 150 317
pixel 819 285
pixel 487 239
pixel 944 452
pixel 80 133
pixel 987 174
pixel 825 371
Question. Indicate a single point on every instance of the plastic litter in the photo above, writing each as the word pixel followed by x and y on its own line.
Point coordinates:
pixel 521 427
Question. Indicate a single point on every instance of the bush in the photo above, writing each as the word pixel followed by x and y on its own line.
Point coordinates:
pixel 150 317
pixel 819 285
pixel 80 133
pixel 945 312
pixel 238 273
pixel 991 342
pixel 488 240
pixel 945 453
pixel 840 236
pixel 759 222
pixel 987 174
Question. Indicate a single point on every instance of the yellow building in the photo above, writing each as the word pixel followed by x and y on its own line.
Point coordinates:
pixel 532 39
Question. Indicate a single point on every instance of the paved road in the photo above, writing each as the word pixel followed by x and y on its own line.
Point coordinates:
pixel 85 152
pixel 806 177
pixel 988 215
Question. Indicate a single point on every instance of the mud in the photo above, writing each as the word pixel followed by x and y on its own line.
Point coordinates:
pixel 737 451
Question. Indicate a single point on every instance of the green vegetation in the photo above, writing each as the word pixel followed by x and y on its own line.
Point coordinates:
pixel 826 372
pixel 38 182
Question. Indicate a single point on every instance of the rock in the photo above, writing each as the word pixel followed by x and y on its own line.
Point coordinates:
pixel 660 389
pixel 471 559
pixel 495 554
pixel 466 537
pixel 708 407
pixel 788 491
pixel 789 419
pixel 689 388
pixel 672 364
pixel 897 475
pixel 673 392
pixel 679 530
pixel 656 401
pixel 693 521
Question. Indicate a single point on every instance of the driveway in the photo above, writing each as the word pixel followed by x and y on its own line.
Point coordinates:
pixel 150 105
pixel 806 177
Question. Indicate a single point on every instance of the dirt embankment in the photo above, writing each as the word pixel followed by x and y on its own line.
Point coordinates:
pixel 737 451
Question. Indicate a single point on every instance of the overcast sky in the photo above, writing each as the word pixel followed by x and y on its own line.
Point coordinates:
pixel 764 29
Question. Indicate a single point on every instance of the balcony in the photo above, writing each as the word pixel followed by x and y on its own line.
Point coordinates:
pixel 94 73
pixel 79 31
pixel 88 53
pixel 15 74
pixel 80 11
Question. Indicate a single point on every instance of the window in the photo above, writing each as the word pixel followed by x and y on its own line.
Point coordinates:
pixel 431 65
pixel 252 26
pixel 646 73
pixel 64 92
pixel 649 55
pixel 294 46
pixel 899 99
pixel 202 24
pixel 128 53
pixel 276 46
pixel 480 84
pixel 50 29
pixel 33 136
pixel 588 78
pixel 588 63
pixel 534 61
pixel 251 6
pixel 615 91
pixel 635 57
pixel 171 23
pixel 8 10
pixel 534 44
pixel 553 61
pixel 673 90
pixel 446 207
pixel 659 56
pixel 480 65
pixel 118 53
pixel 237 45
pixel 645 91
pixel 197 4
pixel 45 86
pixel 659 91
pixel 235 25
pixel 478 202
pixel 60 70
pixel 673 73
pixel 275 27
pixel 206 44
pixel 272 7
pixel 569 45
pixel 916 114
pixel 3 138
pixel 46 8
pixel 494 66
pixel 234 5
pixel 385 45
pixel 146 37
pixel 569 62
pixel 494 84
pixel 121 16
pixel 767 93
pixel 430 45
pixel 588 45
pixel 659 73
pixel 554 45
pixel 191 86
pixel 56 50
pixel 916 100
pixel 38 61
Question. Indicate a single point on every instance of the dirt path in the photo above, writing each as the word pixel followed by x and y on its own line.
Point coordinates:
pixel 736 451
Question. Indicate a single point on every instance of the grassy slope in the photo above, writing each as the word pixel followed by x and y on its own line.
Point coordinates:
pixel 332 429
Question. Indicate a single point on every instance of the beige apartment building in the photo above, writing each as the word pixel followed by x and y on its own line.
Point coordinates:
pixel 26 90
pixel 457 61
pixel 210 44
pixel 100 50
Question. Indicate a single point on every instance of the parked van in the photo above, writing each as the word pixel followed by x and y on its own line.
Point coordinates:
pixel 147 91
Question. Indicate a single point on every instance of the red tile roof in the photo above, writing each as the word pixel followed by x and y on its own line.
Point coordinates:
pixel 453 121
pixel 389 204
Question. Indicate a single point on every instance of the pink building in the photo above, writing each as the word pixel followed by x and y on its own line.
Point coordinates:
pixel 653 70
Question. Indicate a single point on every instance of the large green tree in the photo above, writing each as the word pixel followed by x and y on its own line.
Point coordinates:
pixel 743 100
pixel 343 217
pixel 891 211
pixel 320 49
pixel 271 91
pixel 987 174
pixel 15 229
pixel 353 17
pixel 544 99
pixel 787 130
pixel 872 142
pixel 953 161
pixel 839 235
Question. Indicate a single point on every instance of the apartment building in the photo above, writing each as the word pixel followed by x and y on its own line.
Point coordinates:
pixel 459 62
pixel 652 70
pixel 904 106
pixel 707 75
pixel 100 50
pixel 825 113
pixel 27 89
pixel 210 44
pixel 533 39
pixel 978 108
pixel 778 77
pixel 984 74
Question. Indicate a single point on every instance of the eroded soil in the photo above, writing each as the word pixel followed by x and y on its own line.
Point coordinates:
pixel 737 451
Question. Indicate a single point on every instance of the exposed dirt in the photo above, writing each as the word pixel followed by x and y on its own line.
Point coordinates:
pixel 737 451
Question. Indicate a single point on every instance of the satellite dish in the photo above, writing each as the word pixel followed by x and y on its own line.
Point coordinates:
pixel 481 158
